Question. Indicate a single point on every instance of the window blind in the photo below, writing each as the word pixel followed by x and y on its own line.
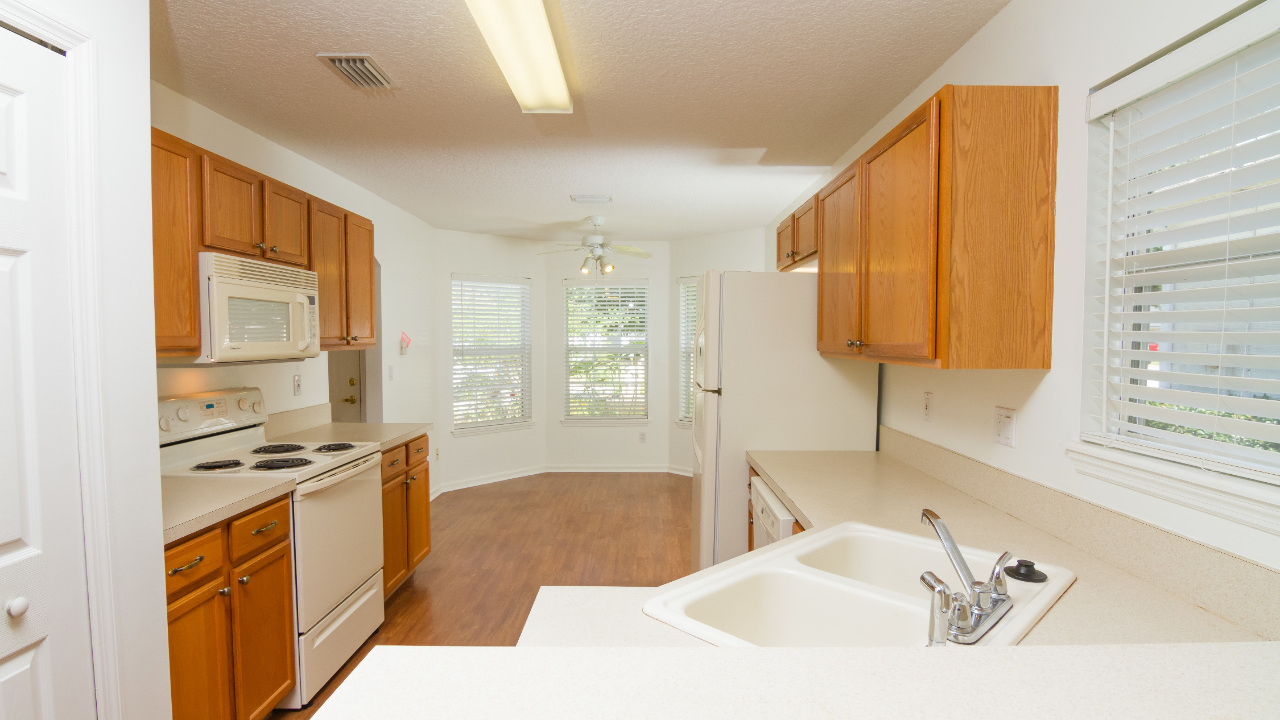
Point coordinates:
pixel 606 352
pixel 1185 339
pixel 492 352
pixel 688 329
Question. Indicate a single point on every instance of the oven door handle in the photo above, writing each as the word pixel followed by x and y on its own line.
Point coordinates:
pixel 315 486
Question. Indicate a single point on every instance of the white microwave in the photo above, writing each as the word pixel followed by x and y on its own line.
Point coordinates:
pixel 254 310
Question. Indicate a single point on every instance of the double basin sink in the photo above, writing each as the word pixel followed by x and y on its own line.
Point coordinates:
pixel 852 585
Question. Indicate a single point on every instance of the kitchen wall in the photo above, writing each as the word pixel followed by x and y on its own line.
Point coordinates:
pixel 1074 45
pixel 401 245
pixel 750 250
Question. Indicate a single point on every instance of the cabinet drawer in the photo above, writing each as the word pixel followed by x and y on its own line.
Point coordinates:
pixel 187 564
pixel 259 529
pixel 418 450
pixel 394 461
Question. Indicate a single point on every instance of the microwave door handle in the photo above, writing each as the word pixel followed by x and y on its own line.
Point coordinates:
pixel 300 302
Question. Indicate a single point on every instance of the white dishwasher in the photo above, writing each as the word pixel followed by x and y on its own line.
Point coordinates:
pixel 771 520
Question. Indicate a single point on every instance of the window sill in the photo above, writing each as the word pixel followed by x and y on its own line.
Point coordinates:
pixel 687 424
pixel 604 422
pixel 487 429
pixel 1249 500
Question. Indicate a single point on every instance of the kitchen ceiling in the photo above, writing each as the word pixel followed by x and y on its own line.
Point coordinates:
pixel 697 117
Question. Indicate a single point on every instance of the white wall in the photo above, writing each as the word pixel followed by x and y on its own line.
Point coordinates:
pixel 402 246
pixel 750 250
pixel 1074 45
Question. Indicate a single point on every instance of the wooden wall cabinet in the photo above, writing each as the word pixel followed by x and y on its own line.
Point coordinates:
pixel 949 263
pixel 202 202
pixel 406 511
pixel 798 235
pixel 175 243
pixel 342 256
pixel 231 633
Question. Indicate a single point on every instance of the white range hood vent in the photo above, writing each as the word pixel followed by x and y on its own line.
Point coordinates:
pixel 359 68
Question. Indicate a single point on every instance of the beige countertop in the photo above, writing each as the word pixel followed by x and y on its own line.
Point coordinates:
pixel 1105 605
pixel 388 435
pixel 190 505
pixel 1170 682
pixel 580 616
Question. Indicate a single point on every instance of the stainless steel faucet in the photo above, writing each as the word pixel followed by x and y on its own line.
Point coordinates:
pixel 968 615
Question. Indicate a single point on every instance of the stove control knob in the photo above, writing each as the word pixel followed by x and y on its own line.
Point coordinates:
pixel 257 407
pixel 243 404
pixel 165 424
pixel 184 414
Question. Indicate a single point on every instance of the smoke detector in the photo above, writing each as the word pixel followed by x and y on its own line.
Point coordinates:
pixel 360 69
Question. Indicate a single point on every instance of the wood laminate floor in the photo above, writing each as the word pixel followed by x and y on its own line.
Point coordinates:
pixel 493 546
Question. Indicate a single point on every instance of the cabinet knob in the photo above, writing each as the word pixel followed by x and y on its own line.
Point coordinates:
pixel 275 248
pixel 854 343
pixel 261 246
pixel 224 591
pixel 17 607
pixel 245 580
pixel 355 338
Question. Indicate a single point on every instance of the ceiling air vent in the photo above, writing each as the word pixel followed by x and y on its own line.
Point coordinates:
pixel 359 68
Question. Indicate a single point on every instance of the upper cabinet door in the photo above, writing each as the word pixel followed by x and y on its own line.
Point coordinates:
pixel 900 184
pixel 284 223
pixel 175 243
pixel 361 297
pixel 840 265
pixel 232 207
pixel 786 245
pixel 328 261
pixel 805 230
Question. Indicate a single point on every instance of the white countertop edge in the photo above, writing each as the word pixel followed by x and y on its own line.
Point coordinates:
pixel 226 512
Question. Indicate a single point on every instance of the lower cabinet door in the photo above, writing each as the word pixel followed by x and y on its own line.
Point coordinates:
pixel 395 542
pixel 263 634
pixel 419 512
pixel 199 657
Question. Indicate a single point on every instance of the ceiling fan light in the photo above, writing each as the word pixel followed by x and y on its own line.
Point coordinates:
pixel 606 267
pixel 519 36
pixel 586 267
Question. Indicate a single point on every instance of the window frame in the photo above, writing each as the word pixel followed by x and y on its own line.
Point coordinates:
pixel 526 419
pixel 571 285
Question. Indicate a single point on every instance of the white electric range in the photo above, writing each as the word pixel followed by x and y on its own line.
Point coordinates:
pixel 337 517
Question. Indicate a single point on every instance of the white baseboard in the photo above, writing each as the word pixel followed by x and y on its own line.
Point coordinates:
pixel 440 489
pixel 687 472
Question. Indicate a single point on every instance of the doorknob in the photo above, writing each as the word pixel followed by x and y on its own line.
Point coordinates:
pixel 351 400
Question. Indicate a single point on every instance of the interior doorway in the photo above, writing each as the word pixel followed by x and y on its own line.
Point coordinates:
pixel 347 385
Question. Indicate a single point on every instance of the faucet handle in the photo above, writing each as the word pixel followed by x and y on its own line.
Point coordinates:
pixel 999 582
pixel 961 617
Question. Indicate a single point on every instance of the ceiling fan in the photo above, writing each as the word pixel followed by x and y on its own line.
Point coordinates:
pixel 598 248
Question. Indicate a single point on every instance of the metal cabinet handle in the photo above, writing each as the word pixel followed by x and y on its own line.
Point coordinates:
pixel 261 246
pixel 265 528
pixel 245 580
pixel 224 591
pixel 199 559
pixel 394 463
pixel 275 248
pixel 419 451
pixel 854 343
pixel 355 338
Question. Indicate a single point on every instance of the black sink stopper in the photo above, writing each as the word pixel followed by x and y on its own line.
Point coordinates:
pixel 1025 571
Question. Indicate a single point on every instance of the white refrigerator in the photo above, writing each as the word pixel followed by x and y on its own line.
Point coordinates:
pixel 760 384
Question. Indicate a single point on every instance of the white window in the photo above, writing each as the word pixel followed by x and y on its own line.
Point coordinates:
pixel 492 352
pixel 606 353
pixel 1183 334
pixel 688 328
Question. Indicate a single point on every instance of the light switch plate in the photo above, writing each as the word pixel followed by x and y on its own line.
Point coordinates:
pixel 297 385
pixel 928 406
pixel 1006 419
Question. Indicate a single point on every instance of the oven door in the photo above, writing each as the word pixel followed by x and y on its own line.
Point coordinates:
pixel 245 320
pixel 337 547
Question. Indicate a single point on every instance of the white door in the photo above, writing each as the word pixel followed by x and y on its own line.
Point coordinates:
pixel 346 385
pixel 45 665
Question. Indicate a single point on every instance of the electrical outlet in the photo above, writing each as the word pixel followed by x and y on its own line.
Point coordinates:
pixel 928 406
pixel 644 438
pixel 297 385
pixel 1006 419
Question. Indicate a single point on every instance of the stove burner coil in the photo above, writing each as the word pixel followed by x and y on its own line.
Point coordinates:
pixel 217 465
pixel 281 463
pixel 277 449
pixel 335 447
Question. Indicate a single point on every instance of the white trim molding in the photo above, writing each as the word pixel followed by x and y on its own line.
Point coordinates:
pixel 1253 503
pixel 489 429
pixel 637 422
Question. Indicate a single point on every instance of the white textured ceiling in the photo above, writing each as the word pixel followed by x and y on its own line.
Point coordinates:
pixel 699 117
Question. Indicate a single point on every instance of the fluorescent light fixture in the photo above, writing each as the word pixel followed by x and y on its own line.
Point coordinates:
pixel 519 36
pixel 591 199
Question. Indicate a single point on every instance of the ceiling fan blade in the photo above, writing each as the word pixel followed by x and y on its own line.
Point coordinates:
pixel 632 251
pixel 575 248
